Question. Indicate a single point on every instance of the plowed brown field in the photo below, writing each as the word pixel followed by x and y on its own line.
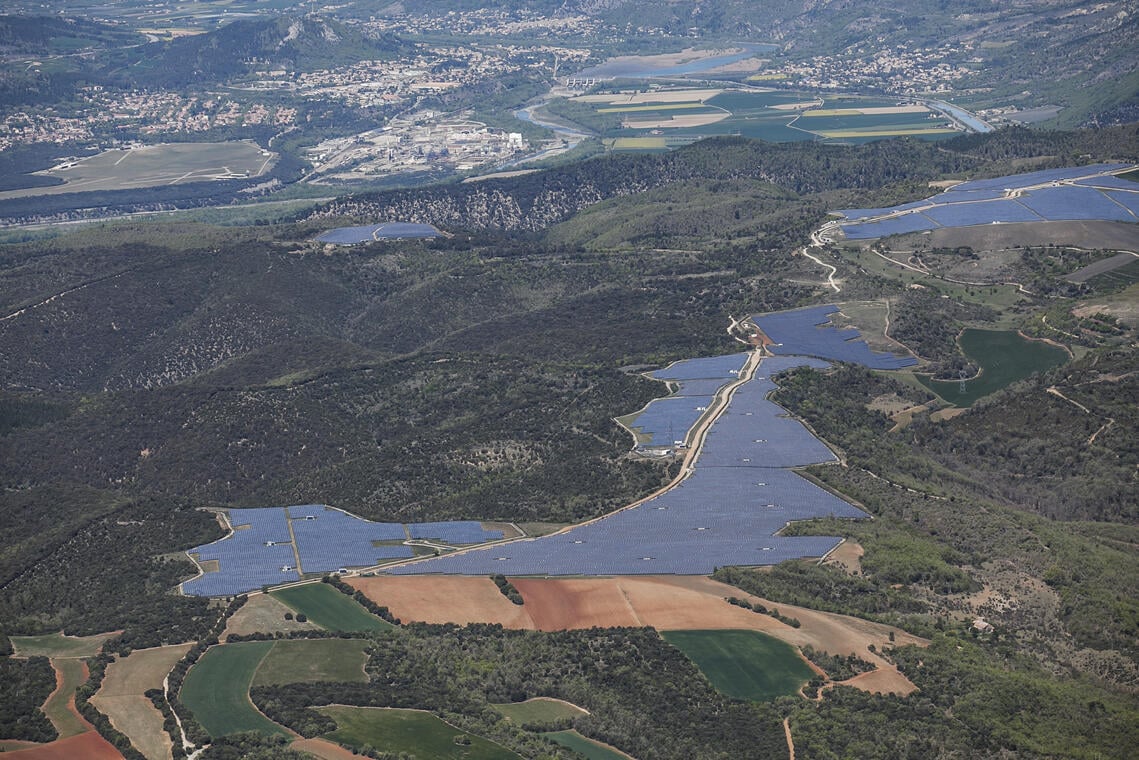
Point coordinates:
pixel 663 602
pixel 88 746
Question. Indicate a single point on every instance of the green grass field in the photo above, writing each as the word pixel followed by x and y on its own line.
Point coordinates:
pixel 1003 356
pixel 66 722
pixel 418 733
pixel 539 711
pixel 217 689
pixel 743 664
pixel 57 645
pixel 310 661
pixel 587 748
pixel 329 608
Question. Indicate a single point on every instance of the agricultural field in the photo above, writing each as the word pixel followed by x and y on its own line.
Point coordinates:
pixel 1004 357
pixel 264 613
pixel 217 689
pixel 744 664
pixel 88 746
pixel 329 608
pixel 313 660
pixel 587 748
pixel 153 165
pixel 56 645
pixel 661 119
pixel 60 706
pixel 413 731
pixel 121 696
pixel 540 711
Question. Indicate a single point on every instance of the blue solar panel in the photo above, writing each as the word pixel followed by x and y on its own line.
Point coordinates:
pixel 454 532
pixel 1110 183
pixel 899 225
pixel 255 555
pixel 1058 203
pixel 328 539
pixel 866 213
pixel 668 420
pixel 726 367
pixel 808 332
pixel 973 203
pixel 1130 201
pixel 1028 179
pixel 984 212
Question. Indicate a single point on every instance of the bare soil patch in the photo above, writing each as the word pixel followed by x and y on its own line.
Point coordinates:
pixel 88 746
pixel 266 614
pixel 882 681
pixel 558 605
pixel 324 749
pixel 443 599
pixel 848 556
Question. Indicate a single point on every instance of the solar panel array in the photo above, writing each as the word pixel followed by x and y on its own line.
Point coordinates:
pixel 454 532
pixel 1051 195
pixel 726 367
pixel 809 332
pixel 725 513
pixel 328 539
pixel 668 420
pixel 325 540
pixel 250 558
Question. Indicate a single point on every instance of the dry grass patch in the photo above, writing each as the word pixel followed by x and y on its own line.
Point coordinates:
pixel 264 614
pixel 121 698
pixel 59 646
pixel 443 599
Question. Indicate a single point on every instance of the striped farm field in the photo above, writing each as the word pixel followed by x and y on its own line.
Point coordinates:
pixel 744 664
pixel 312 661
pixel 329 608
pixel 217 689
pixel 651 107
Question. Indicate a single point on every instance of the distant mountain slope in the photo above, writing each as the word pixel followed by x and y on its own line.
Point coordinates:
pixel 40 35
pixel 302 44
pixel 540 200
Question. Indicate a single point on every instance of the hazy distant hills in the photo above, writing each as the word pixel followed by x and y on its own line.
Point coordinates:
pixel 250 44
pixel 37 35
